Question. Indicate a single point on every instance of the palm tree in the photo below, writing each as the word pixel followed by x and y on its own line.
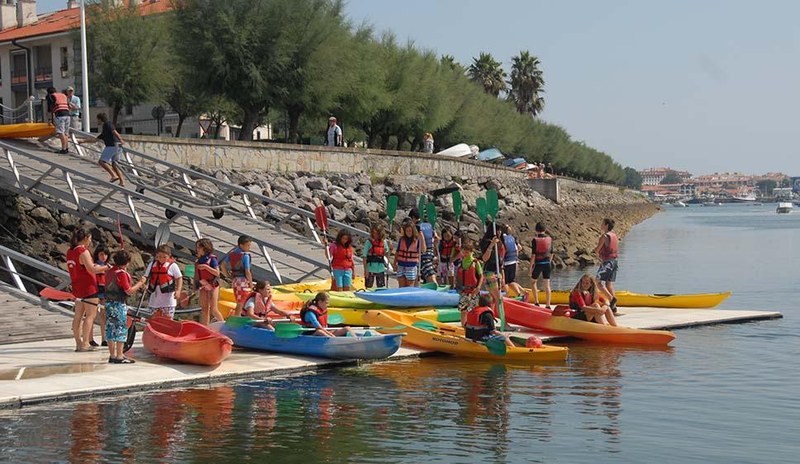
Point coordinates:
pixel 527 84
pixel 486 71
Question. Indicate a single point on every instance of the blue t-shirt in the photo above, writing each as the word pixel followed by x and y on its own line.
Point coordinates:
pixel 427 231
pixel 311 318
pixel 245 259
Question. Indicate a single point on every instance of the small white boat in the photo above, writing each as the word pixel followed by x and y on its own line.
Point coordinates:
pixel 457 151
pixel 679 204
pixel 784 207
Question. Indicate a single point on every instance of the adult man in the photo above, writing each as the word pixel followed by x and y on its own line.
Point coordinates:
pixel 607 250
pixel 333 137
pixel 58 107
pixel 74 109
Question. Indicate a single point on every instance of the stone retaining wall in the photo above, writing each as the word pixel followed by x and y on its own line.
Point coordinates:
pixel 284 158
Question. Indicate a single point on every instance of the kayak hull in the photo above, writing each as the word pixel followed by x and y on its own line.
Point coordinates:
pixel 410 297
pixel 343 300
pixel 534 317
pixel 631 299
pixel 185 341
pixel 353 316
pixel 26 130
pixel 227 308
pixel 373 346
pixel 451 340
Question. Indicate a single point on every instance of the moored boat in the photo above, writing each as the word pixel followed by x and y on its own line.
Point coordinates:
pixel 450 339
pixel 534 317
pixel 185 341
pixel 784 207
pixel 368 344
pixel 655 300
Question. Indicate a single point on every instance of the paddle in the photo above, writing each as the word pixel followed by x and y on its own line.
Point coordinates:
pixel 321 216
pixel 457 208
pixel 391 212
pixel 430 209
pixel 56 295
pixel 161 237
pixel 480 208
pixel 492 208
pixel 423 200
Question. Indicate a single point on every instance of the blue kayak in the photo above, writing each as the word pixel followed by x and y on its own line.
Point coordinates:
pixel 367 345
pixel 411 297
pixel 491 154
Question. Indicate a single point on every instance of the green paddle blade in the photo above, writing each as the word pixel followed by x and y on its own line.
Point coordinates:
pixel 480 206
pixel 423 200
pixel 289 330
pixel 188 271
pixel 239 321
pixel 457 206
pixel 429 285
pixel 492 205
pixel 496 347
pixel 424 325
pixel 391 206
pixel 431 210
pixel 335 319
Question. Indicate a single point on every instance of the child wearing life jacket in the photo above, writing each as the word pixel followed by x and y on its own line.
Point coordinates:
pixel 375 255
pixel 101 257
pixel 510 260
pixel 206 280
pixel 542 248
pixel 491 247
pixel 479 325
pixel 236 265
pixel 118 288
pixel 314 315
pixel 448 250
pixel 588 305
pixel 340 254
pixel 427 269
pixel 258 304
pixel 164 283
pixel 407 255
pixel 469 279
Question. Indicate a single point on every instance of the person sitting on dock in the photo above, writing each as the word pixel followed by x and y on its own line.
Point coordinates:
pixel 588 305
pixel 314 315
pixel 258 304
pixel 480 326
pixel 236 265
pixel 166 281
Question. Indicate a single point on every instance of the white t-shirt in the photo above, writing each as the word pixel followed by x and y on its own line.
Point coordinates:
pixel 165 300
pixel 334 132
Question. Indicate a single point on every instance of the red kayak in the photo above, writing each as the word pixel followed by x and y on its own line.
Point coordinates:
pixel 186 341
pixel 542 319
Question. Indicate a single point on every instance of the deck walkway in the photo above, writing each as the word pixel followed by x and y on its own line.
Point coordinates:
pixel 37 372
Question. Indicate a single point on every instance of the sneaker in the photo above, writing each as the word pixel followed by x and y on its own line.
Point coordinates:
pixel 614 305
pixel 104 343
pixel 126 361
pixel 93 343
pixel 112 360
pixel 63 152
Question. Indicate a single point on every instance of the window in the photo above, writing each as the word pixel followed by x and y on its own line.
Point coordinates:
pixel 64 62
pixel 128 110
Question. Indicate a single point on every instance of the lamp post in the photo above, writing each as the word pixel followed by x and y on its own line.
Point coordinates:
pixel 84 71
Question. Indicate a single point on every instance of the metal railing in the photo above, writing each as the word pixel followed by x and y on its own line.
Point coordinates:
pixel 22 113
pixel 30 286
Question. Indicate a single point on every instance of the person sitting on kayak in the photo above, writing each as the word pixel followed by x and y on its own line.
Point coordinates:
pixel 480 322
pixel 587 303
pixel 258 304
pixel 314 315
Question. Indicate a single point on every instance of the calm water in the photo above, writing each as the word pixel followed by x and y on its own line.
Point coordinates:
pixel 720 394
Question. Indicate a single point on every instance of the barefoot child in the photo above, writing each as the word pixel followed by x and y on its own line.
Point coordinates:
pixel 480 323
pixel 109 159
pixel 587 303
pixel 448 249
pixel 340 254
pixel 236 265
pixel 258 304
pixel 101 258
pixel 542 247
pixel 118 288
pixel 374 255
pixel 314 315
pixel 166 281
pixel 491 247
pixel 207 280
pixel 511 260
pixel 469 279
pixel 407 256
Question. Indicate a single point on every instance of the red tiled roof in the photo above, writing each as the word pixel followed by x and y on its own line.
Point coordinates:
pixel 69 19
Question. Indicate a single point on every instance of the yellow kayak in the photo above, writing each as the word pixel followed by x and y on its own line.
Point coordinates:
pixel 26 130
pixel 314 286
pixel 354 316
pixel 657 300
pixel 450 339
pixel 226 294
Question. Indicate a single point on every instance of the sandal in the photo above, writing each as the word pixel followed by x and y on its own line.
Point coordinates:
pixel 126 361
pixel 113 179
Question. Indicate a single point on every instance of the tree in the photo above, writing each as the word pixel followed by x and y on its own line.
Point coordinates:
pixel 527 84
pixel 128 57
pixel 671 177
pixel 632 178
pixel 183 98
pixel 766 186
pixel 486 71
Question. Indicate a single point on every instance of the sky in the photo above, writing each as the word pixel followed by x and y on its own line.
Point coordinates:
pixel 699 85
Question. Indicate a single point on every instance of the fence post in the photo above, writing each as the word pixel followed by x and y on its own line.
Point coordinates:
pixel 30 108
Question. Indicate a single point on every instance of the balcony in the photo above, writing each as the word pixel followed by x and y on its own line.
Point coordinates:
pixel 43 77
pixel 19 80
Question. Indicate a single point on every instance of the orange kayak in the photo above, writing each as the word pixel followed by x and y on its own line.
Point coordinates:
pixel 537 318
pixel 26 130
pixel 186 341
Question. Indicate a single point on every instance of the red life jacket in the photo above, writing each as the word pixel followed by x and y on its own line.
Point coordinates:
pixel 609 250
pixel 474 318
pixel 446 249
pixel 160 278
pixel 204 274
pixel 114 292
pixel 541 245
pixel 322 316
pixel 577 300
pixel 235 259
pixel 469 276
pixel 376 252
pixel 101 277
pixel 84 283
pixel 408 253
pixel 61 102
pixel 342 257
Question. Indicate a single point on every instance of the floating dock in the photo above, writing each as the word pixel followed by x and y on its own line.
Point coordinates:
pixel 47 371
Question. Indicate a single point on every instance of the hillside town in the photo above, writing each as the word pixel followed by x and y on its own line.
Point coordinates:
pixel 664 184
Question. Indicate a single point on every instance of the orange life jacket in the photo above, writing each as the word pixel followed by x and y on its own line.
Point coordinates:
pixel 446 249
pixel 342 257
pixel 474 318
pixel 609 250
pixel 408 253
pixel 469 276
pixel 61 102
pixel 160 278
pixel 322 315
pixel 376 252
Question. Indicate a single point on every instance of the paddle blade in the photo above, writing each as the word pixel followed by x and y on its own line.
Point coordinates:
pixel 162 234
pixel 56 295
pixel 288 330
pixel 131 337
pixel 335 319
pixel 321 216
pixel 431 210
pixel 492 205
pixel 457 206
pixel 423 200
pixel 496 346
pixel 480 207
pixel 391 206
pixel 424 325
pixel 188 271
pixel 235 322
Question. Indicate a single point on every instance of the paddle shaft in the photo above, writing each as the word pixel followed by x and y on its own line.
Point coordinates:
pixel 499 277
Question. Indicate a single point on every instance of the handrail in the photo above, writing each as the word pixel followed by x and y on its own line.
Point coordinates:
pixel 85 208
pixel 228 187
pixel 9 256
